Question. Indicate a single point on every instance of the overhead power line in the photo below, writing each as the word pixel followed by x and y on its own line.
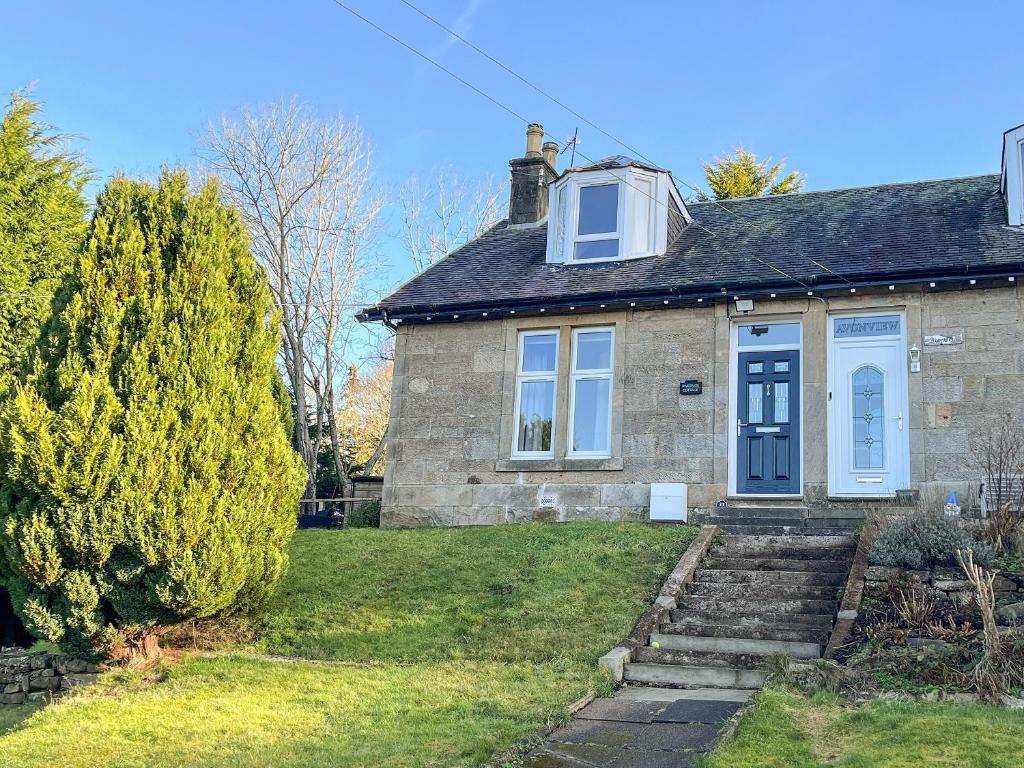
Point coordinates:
pixel 479 91
pixel 576 113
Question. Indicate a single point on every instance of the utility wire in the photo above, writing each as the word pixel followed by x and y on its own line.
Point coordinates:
pixel 574 112
pixel 520 117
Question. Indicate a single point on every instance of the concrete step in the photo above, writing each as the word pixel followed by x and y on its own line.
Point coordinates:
pixel 733 521
pixel 693 677
pixel 733 645
pixel 688 658
pixel 817 547
pixel 756 604
pixel 788 513
pixel 749 631
pixel 755 619
pixel 764 578
pixel 781 530
pixel 776 564
pixel 767 592
pixel 796 540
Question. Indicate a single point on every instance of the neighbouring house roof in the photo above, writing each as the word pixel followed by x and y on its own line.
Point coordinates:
pixel 830 239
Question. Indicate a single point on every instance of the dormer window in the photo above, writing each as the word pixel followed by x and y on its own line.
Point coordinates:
pixel 1012 182
pixel 615 209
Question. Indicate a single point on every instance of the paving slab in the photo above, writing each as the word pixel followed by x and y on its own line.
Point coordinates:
pixel 609 733
pixel 623 710
pixel 572 756
pixel 676 736
pixel 649 758
pixel 689 711
pixel 653 693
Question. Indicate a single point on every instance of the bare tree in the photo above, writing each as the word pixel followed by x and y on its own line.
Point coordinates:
pixel 445 213
pixel 303 186
pixel 438 217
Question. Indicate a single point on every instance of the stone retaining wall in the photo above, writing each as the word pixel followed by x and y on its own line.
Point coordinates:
pixel 951 582
pixel 39 676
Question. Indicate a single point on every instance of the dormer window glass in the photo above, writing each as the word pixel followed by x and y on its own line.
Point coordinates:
pixel 597 226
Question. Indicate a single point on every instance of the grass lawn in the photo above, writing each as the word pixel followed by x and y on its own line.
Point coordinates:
pixel 441 648
pixel 790 730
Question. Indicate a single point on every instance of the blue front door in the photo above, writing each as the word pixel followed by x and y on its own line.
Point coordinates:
pixel 768 428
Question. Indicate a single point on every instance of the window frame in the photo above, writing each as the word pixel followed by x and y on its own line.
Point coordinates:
pixel 535 376
pixel 592 374
pixel 616 234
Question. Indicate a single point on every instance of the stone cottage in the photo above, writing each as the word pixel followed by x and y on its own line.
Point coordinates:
pixel 614 351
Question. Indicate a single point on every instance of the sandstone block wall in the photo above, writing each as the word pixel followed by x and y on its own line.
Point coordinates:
pixel 450 430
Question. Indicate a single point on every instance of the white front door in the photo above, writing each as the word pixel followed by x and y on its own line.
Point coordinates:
pixel 868 447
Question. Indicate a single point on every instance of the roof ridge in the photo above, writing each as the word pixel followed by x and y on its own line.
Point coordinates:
pixel 789 195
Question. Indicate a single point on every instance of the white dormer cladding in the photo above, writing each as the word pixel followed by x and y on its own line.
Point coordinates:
pixel 610 213
pixel 1012 182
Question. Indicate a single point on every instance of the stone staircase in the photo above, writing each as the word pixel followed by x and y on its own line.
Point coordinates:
pixel 751 596
pixel 781 521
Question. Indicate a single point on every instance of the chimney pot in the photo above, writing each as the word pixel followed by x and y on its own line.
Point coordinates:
pixel 551 154
pixel 534 136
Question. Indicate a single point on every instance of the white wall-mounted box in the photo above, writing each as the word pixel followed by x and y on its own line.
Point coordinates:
pixel 668 502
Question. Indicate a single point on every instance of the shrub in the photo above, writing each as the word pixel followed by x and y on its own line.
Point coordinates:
pixel 925 540
pixel 42 221
pixel 146 475
pixel 366 515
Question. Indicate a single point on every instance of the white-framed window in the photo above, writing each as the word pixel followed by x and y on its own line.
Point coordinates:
pixel 610 215
pixel 590 392
pixel 536 386
pixel 597 221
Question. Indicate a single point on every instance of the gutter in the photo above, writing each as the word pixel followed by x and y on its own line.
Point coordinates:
pixel 673 297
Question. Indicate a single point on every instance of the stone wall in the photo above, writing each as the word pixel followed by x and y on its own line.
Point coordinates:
pixel 453 395
pixel 40 676
pixel 949 583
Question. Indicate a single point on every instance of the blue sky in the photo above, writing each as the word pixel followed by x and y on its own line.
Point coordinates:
pixel 848 93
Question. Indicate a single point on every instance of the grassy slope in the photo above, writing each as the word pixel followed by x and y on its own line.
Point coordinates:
pixel 447 646
pixel 788 730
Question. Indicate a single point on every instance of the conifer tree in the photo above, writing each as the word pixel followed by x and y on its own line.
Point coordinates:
pixel 146 474
pixel 42 221
pixel 743 175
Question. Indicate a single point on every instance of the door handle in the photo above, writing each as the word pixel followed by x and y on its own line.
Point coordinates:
pixel 739 426
pixel 898 418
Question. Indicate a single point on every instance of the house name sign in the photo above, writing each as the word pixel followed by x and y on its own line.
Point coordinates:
pixel 691 387
pixel 944 339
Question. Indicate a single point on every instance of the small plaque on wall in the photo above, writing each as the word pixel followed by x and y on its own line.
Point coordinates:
pixel 944 339
pixel 691 387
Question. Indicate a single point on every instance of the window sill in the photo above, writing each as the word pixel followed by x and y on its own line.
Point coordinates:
pixel 559 465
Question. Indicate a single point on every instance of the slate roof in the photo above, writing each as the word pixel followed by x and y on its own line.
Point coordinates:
pixel 920 230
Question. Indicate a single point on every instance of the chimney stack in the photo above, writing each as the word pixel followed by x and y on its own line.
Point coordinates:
pixel 531 174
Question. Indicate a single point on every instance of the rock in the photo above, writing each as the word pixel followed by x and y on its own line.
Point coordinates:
pixel 925 642
pixel 891 573
pixel 1011 702
pixel 13 698
pixel 1003 584
pixel 41 660
pixel 951 585
pixel 45 684
pixel 75 666
pixel 947 574
pixel 38 696
pixel 1012 611
pixel 76 680
pixel 12 688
